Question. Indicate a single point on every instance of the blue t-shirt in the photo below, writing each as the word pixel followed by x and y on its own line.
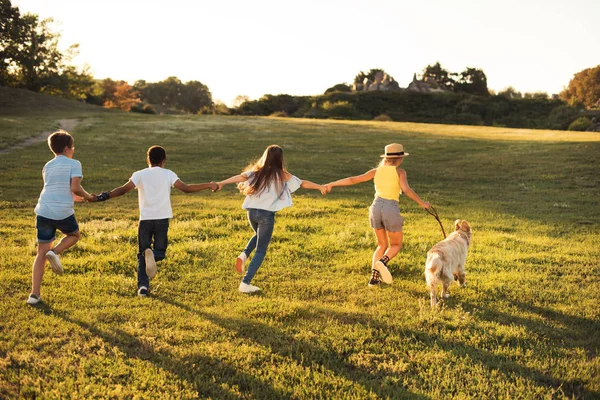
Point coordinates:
pixel 56 199
pixel 272 198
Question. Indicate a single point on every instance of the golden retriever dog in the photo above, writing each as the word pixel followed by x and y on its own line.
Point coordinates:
pixel 446 260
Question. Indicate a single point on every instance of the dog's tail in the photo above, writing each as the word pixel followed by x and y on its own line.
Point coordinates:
pixel 433 269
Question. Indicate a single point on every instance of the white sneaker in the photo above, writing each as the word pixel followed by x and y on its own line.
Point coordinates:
pixel 246 288
pixel 143 291
pixel 150 263
pixel 240 261
pixel 52 257
pixel 34 299
pixel 385 273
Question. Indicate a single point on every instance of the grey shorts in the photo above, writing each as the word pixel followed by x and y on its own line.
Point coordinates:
pixel 385 214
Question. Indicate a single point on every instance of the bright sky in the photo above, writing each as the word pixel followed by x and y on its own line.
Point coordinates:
pixel 241 47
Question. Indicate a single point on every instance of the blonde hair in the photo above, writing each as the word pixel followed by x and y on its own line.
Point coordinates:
pixel 390 161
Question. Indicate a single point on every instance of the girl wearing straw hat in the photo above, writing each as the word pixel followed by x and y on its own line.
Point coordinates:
pixel 384 213
pixel 268 187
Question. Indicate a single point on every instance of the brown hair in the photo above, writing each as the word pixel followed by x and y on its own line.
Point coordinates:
pixel 59 140
pixel 269 168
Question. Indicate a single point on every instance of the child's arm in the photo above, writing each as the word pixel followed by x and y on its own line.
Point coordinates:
pixel 408 191
pixel 311 185
pixel 353 180
pixel 233 179
pixel 79 190
pixel 116 192
pixel 195 187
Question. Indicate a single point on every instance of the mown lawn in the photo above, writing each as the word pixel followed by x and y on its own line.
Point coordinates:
pixel 526 326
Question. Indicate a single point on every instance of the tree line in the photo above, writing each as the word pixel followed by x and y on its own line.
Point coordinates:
pixel 30 59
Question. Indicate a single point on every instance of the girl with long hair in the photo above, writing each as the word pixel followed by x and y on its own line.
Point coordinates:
pixel 384 213
pixel 268 187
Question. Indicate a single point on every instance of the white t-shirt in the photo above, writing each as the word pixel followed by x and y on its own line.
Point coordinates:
pixel 272 198
pixel 154 192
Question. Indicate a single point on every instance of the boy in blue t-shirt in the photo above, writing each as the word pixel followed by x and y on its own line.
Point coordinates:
pixel 62 177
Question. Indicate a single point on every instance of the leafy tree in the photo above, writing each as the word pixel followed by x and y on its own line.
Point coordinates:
pixel 119 95
pixel 239 100
pixel 472 81
pixel 440 75
pixel 9 36
pixel 584 88
pixel 510 93
pixel 193 96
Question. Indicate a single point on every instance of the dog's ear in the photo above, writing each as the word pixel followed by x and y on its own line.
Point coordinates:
pixel 465 226
pixel 457 224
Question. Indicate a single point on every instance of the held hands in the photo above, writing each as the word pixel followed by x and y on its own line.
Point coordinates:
pixel 214 186
pixel 103 196
pixel 325 189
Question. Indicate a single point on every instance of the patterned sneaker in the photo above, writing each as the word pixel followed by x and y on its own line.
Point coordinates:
pixel 34 299
pixel 52 257
pixel 150 263
pixel 143 291
pixel 385 273
pixel 375 278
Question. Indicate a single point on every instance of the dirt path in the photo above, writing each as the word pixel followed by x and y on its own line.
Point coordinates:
pixel 66 124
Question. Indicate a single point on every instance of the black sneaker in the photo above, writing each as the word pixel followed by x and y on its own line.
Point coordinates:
pixel 375 279
pixel 143 291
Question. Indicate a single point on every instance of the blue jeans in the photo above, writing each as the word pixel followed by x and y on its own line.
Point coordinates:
pixel 262 222
pixel 148 229
pixel 46 227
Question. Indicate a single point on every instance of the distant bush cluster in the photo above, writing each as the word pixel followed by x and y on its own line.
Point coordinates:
pixel 448 108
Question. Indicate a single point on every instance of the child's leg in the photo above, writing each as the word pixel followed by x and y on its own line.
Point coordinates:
pixel 161 230
pixel 70 228
pixel 252 242
pixel 145 232
pixel 395 244
pixel 382 245
pixel 39 263
pixel 265 221
pixel 67 241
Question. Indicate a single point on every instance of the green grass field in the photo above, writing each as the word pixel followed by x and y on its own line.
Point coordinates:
pixel 526 326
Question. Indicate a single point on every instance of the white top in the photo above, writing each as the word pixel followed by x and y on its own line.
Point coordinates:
pixel 272 198
pixel 154 192
pixel 56 199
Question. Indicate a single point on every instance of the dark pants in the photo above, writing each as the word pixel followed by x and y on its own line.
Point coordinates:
pixel 147 230
pixel 262 222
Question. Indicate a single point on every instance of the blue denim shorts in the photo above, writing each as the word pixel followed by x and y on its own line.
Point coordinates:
pixel 46 227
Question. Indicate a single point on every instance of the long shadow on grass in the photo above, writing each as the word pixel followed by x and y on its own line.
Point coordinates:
pixel 304 353
pixel 308 354
pixel 198 370
pixel 575 332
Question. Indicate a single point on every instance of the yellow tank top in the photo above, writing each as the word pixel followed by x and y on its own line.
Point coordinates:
pixel 387 183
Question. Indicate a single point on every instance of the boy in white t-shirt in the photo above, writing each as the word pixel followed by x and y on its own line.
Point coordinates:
pixel 154 196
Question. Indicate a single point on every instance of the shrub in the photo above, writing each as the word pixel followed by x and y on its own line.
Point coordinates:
pixel 148 109
pixel 562 116
pixel 279 114
pixel 580 124
pixel 339 109
pixel 382 117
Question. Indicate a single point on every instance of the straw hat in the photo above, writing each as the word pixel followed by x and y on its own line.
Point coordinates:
pixel 394 150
